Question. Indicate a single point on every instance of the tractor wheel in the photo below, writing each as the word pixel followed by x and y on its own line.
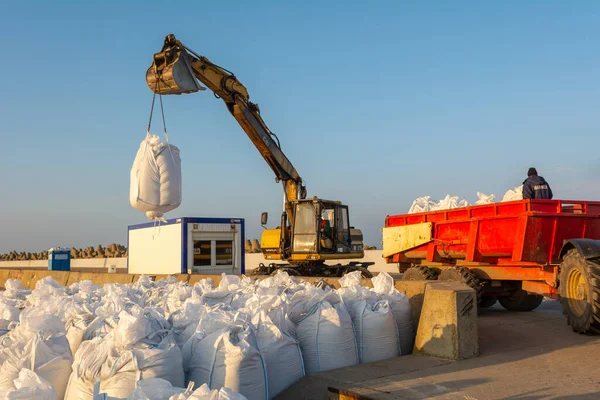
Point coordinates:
pixel 487 301
pixel 462 275
pixel 580 292
pixel 520 300
pixel 419 273
pixel 364 272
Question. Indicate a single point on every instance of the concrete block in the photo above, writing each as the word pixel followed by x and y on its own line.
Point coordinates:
pixel 415 291
pixel 448 324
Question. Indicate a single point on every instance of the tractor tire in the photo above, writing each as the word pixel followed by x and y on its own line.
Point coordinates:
pixel 580 292
pixel 488 301
pixel 419 273
pixel 520 300
pixel 462 275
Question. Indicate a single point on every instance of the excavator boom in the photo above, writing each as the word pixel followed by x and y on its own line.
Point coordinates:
pixel 175 70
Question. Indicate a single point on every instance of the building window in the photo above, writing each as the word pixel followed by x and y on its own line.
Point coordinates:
pixel 224 252
pixel 202 253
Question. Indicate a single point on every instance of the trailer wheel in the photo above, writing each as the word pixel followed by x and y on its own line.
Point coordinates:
pixel 580 292
pixel 487 301
pixel 419 273
pixel 463 275
pixel 520 300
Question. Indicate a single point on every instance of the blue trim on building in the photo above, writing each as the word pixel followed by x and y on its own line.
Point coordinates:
pixel 184 246
pixel 243 247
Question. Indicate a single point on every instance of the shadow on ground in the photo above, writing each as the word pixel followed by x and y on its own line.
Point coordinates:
pixel 526 356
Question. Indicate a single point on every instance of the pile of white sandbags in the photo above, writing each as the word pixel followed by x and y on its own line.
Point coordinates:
pixel 426 204
pixel 243 339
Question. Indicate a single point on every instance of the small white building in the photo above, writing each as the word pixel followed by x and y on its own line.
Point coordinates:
pixel 187 245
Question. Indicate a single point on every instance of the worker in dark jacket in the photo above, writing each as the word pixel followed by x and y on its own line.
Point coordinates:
pixel 535 186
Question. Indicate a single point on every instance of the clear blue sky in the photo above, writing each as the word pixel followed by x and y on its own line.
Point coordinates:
pixel 375 104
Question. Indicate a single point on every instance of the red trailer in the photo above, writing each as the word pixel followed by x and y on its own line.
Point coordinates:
pixel 512 252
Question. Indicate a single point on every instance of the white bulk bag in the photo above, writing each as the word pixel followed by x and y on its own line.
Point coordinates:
pixel 204 393
pixel 38 344
pixel 280 352
pixel 376 331
pixel 383 285
pixel 324 330
pixel 227 358
pixel 484 198
pixel 9 314
pixel 50 361
pixel 119 369
pixel 30 386
pixel 154 389
pixel 155 179
pixel 514 194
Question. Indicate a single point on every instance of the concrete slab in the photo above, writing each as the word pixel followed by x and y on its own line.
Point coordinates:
pixel 525 356
pixel 448 324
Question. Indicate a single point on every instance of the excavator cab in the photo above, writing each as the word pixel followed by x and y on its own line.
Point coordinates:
pixel 320 231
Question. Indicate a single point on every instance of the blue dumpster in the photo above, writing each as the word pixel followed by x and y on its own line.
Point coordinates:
pixel 59 259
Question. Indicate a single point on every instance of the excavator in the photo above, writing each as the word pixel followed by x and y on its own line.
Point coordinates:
pixel 312 230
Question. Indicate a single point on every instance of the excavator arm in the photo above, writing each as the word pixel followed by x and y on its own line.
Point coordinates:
pixel 175 70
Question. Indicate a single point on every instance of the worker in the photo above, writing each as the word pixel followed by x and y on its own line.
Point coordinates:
pixel 326 241
pixel 535 186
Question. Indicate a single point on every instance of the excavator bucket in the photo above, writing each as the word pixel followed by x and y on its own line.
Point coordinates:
pixel 171 72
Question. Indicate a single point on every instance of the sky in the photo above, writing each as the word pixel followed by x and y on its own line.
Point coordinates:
pixel 375 104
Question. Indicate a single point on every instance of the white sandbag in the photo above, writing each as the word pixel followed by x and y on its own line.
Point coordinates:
pixel 324 330
pixel 376 331
pixel 352 292
pixel 484 198
pixel 154 389
pixel 9 315
pixel 449 202
pixel 514 194
pixel 280 352
pixel 119 369
pixel 13 290
pixel 204 393
pixel 50 363
pixel 77 326
pixel 421 204
pixel 38 343
pixel 155 181
pixel 383 285
pixel 227 358
pixel 30 386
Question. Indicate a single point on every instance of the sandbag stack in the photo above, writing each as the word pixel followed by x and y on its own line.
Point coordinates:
pixel 243 339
